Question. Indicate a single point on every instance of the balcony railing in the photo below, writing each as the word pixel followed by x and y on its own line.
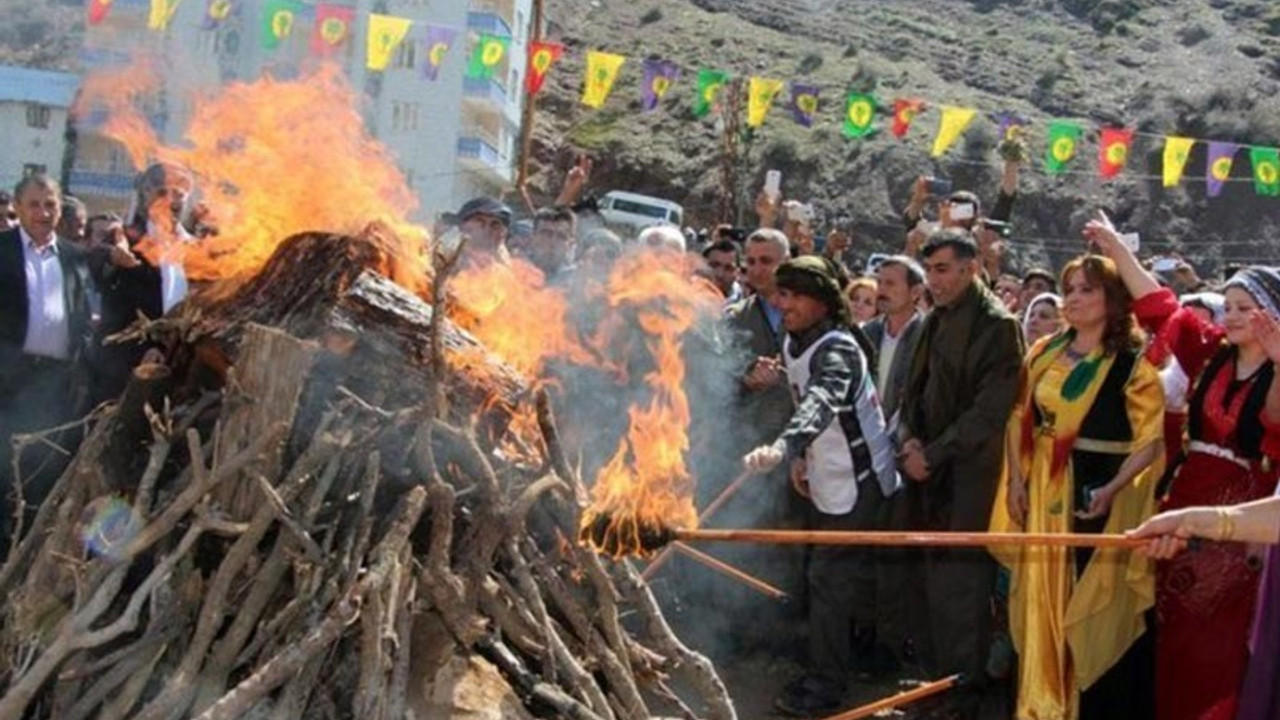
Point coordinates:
pixel 101 182
pixel 488 21
pixel 481 89
pixel 482 154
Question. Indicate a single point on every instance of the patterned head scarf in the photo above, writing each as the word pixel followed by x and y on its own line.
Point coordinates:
pixel 1263 285
pixel 817 277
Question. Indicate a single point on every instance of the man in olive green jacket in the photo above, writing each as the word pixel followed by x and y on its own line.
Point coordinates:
pixel 959 396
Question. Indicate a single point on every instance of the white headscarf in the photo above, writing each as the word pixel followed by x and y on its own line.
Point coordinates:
pixel 1048 297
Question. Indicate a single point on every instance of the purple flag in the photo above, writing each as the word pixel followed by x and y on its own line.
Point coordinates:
pixel 216 12
pixel 437 41
pixel 804 103
pixel 1218 168
pixel 1011 123
pixel 659 76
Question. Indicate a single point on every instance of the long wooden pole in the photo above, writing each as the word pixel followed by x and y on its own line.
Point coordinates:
pixel 939 539
pixel 729 491
pixel 731 571
pixel 527 113
pixel 902 698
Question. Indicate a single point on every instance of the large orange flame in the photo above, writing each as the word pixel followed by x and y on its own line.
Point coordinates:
pixel 647 487
pixel 271 158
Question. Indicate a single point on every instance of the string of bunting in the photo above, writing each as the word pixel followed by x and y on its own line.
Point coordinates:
pixel 331 31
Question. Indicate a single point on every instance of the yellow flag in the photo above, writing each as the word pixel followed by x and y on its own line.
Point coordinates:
pixel 1176 152
pixel 385 35
pixel 951 127
pixel 602 70
pixel 762 92
pixel 161 13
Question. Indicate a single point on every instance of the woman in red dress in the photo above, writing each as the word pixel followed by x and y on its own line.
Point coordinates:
pixel 1205 600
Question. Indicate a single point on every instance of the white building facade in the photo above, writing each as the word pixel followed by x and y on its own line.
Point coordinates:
pixel 33 121
pixel 454 138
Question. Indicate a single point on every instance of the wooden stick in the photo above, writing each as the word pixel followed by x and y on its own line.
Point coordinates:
pixel 731 571
pixel 902 698
pixel 707 512
pixel 938 539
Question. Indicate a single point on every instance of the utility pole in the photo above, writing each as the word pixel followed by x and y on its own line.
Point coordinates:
pixel 527 113
pixel 731 117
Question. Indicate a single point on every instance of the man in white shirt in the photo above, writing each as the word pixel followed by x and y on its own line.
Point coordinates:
pixel 44 331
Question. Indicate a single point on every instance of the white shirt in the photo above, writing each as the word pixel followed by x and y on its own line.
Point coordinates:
pixel 1176 385
pixel 884 361
pixel 173 278
pixel 48 328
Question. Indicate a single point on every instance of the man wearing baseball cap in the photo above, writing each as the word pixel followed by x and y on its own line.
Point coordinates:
pixel 841 459
pixel 485 222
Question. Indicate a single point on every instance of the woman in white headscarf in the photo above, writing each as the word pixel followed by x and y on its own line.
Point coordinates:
pixel 1042 318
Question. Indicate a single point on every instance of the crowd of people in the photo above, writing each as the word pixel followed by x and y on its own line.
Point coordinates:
pixel 925 390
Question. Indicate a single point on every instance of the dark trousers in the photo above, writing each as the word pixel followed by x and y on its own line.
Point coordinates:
pixel 35 394
pixel 842 589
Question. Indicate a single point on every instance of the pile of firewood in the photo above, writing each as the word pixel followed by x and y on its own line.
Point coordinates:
pixel 305 513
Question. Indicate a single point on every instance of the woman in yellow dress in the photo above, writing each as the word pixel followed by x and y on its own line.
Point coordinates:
pixel 1083 457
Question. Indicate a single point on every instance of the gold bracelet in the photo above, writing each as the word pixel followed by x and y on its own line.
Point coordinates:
pixel 1226 525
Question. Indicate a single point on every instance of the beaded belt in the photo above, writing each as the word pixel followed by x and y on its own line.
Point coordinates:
pixel 1217 451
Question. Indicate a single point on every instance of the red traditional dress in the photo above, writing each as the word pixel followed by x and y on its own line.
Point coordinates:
pixel 1205 599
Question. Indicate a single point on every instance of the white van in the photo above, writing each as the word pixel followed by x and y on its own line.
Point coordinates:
pixel 639 211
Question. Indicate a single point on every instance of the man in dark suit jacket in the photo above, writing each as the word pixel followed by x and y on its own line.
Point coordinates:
pixel 44 338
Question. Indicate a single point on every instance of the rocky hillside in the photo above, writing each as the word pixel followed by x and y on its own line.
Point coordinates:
pixel 1204 68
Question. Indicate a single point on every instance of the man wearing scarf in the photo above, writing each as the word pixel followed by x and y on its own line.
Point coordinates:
pixel 841 459
pixel 959 396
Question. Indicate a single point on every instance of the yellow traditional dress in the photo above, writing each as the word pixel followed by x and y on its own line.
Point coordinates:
pixel 1073 614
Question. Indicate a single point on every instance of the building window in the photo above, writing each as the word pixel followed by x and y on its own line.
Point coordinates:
pixel 404 116
pixel 38 116
pixel 30 169
pixel 406 55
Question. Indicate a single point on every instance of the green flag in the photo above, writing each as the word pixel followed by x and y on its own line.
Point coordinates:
pixel 487 56
pixel 278 20
pixel 710 82
pixel 1064 137
pixel 859 115
pixel 1266 170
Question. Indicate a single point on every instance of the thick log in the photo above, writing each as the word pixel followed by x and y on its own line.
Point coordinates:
pixel 263 390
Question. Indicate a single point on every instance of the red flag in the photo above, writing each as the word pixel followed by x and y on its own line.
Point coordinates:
pixel 332 28
pixel 904 111
pixel 98 10
pixel 1114 151
pixel 541 56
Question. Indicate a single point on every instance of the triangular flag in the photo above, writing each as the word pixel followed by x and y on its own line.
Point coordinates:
pixel 710 82
pixel 1064 136
pixel 1218 167
pixel 437 41
pixel 332 28
pixel 951 126
pixel 487 55
pixel 659 76
pixel 161 13
pixel 98 10
pixel 904 111
pixel 602 71
pixel 859 115
pixel 1176 152
pixel 385 35
pixel 1113 151
pixel 1011 125
pixel 804 103
pixel 216 12
pixel 278 18
pixel 760 95
pixel 1266 170
pixel 541 56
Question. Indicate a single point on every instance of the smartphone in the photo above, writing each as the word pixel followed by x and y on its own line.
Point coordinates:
pixel 962 211
pixel 939 186
pixel 773 184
